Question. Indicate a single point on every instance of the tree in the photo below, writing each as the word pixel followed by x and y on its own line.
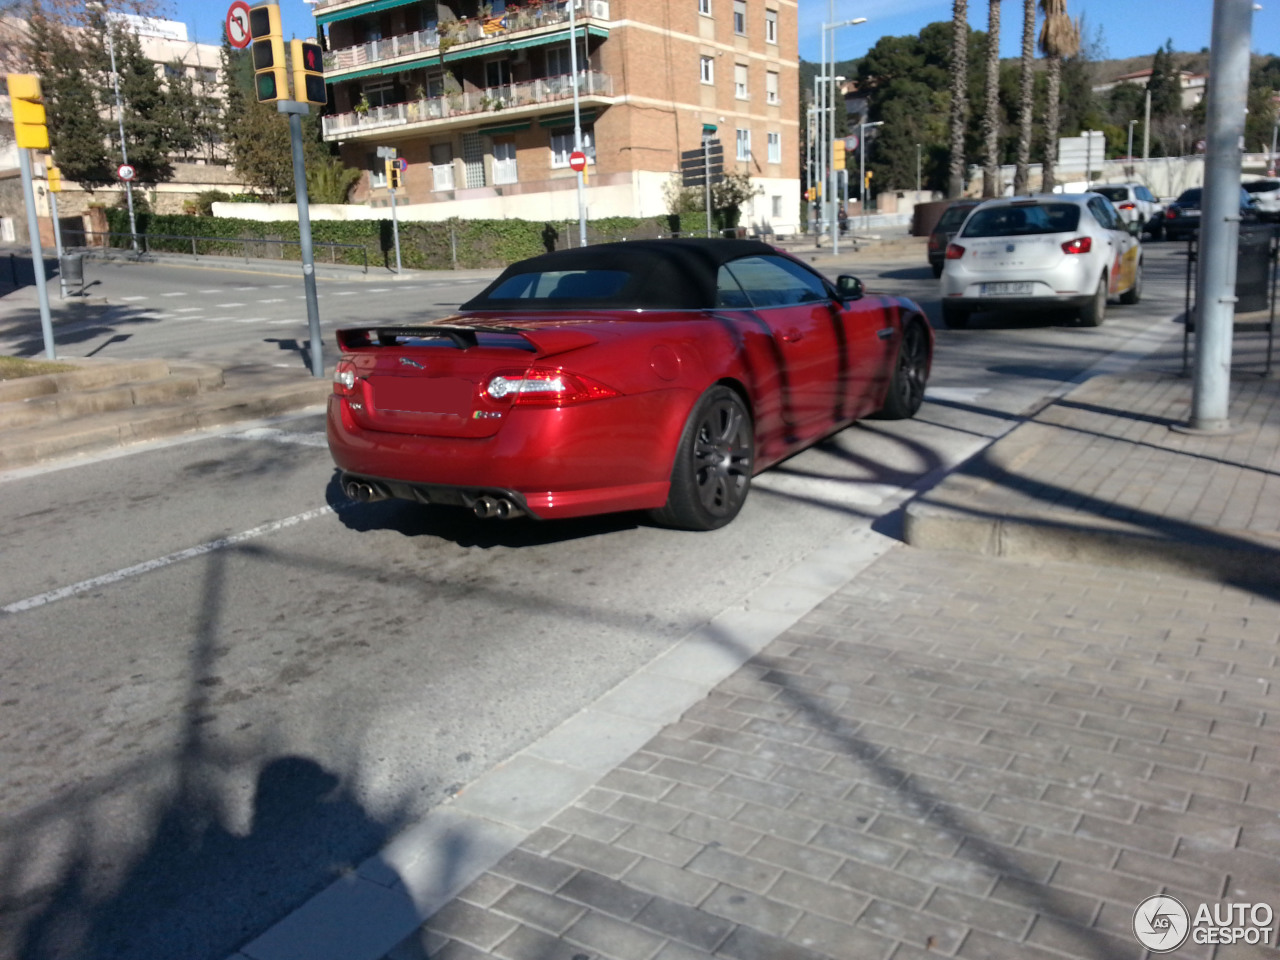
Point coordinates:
pixel 1026 98
pixel 959 95
pixel 1059 38
pixel 991 113
pixel 196 116
pixel 330 181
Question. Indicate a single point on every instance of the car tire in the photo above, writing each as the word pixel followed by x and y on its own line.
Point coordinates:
pixel 910 375
pixel 954 316
pixel 1095 311
pixel 1134 293
pixel 714 460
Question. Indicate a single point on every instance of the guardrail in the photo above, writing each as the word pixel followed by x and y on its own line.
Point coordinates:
pixel 146 245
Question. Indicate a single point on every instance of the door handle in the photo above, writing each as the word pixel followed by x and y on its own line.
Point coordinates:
pixel 794 335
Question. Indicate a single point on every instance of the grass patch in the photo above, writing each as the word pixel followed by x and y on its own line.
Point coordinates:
pixel 11 368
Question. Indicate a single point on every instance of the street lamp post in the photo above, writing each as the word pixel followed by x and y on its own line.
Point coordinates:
pixel 828 147
pixel 862 173
pixel 124 149
pixel 1130 153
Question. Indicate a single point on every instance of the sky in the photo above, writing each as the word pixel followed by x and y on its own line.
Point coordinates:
pixel 1130 28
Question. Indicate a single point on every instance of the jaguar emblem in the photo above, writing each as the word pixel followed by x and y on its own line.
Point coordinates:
pixel 412 363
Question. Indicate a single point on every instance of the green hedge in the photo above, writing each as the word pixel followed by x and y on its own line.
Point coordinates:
pixel 427 246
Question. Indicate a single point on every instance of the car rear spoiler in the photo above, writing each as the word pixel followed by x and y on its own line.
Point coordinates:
pixel 464 336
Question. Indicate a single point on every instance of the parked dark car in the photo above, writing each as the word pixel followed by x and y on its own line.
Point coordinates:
pixel 1182 217
pixel 945 229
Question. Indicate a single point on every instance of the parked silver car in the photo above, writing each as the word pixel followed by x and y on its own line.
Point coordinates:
pixel 1266 197
pixel 1030 253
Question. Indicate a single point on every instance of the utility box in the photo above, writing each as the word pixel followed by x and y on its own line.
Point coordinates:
pixel 1253 267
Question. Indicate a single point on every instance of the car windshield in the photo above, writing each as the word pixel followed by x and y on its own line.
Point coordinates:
pixel 1190 196
pixel 952 217
pixel 1016 221
pixel 1262 186
pixel 1113 193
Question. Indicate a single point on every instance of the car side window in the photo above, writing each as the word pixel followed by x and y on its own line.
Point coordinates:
pixel 776 282
pixel 1105 214
pixel 729 293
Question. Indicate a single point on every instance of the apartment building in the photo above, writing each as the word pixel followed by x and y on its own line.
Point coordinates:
pixel 477 97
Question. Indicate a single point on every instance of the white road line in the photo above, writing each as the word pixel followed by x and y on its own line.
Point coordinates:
pixel 176 293
pixel 189 310
pixel 228 306
pixel 281 323
pixel 278 286
pixel 219 290
pixel 250 319
pixel 243 289
pixel 273 300
pixel 213 319
pixel 40 600
pixel 956 394
pixel 131 299
pixel 380 290
pixel 349 293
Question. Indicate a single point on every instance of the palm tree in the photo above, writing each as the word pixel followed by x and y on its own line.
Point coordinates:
pixel 991 115
pixel 1026 98
pixel 1059 39
pixel 959 95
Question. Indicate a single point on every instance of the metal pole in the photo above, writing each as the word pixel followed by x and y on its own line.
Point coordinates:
pixel 706 173
pixel 395 228
pixel 819 97
pixel 577 128
pixel 1220 221
pixel 917 173
pixel 1129 153
pixel 37 253
pixel 862 174
pixel 57 243
pixel 1146 134
pixel 295 110
pixel 124 149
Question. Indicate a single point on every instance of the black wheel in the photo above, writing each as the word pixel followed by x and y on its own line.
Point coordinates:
pixel 1134 293
pixel 910 374
pixel 712 471
pixel 1093 313
pixel 954 316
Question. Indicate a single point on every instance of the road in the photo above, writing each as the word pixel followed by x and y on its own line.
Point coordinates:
pixel 222 685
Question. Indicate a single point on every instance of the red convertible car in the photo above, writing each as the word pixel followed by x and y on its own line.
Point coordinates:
pixel 648 375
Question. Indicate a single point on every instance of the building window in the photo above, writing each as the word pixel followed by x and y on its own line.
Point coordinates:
pixel 504 161
pixel 744 144
pixel 562 146
pixel 708 68
pixel 740 17
pixel 379 93
pixel 740 81
pixel 777 208
pixel 771 86
pixel 558 61
pixel 775 148
pixel 771 26
pixel 704 7
pixel 377 172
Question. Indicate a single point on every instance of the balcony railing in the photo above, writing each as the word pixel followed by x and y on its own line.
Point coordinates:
pixel 454 32
pixel 478 102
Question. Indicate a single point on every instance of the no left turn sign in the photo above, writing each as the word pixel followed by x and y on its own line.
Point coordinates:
pixel 238 25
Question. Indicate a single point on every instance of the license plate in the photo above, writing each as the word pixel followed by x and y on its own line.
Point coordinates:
pixel 1006 289
pixel 438 395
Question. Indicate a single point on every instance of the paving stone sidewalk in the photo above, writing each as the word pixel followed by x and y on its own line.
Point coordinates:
pixel 953 756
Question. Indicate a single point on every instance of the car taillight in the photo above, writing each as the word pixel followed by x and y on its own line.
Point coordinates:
pixel 1126 206
pixel 1078 245
pixel 344 379
pixel 935 242
pixel 1171 213
pixel 547 387
pixel 954 251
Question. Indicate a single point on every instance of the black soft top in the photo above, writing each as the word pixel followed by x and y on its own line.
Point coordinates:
pixel 660 274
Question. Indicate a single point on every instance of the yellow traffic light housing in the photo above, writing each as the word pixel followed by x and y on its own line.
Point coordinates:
pixel 270 74
pixel 29 118
pixel 837 154
pixel 393 174
pixel 54 176
pixel 308 72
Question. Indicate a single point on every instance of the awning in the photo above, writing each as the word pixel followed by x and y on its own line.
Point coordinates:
pixel 566 119
pixel 505 128
pixel 365 8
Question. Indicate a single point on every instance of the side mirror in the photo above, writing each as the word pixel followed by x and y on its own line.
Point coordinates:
pixel 849 288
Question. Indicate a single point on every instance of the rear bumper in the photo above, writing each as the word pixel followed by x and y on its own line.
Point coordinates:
pixel 598 457
pixel 978 304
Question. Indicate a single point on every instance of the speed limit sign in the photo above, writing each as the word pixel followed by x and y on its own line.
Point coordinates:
pixel 126 172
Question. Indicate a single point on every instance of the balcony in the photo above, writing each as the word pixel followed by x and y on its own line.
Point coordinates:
pixel 515 100
pixel 458 35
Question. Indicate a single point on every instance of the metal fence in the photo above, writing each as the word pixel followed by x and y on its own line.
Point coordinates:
pixel 250 248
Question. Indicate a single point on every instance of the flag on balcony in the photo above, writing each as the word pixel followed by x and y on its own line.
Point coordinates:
pixel 495 25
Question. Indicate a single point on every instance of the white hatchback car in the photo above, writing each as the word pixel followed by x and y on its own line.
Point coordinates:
pixel 1134 202
pixel 1069 251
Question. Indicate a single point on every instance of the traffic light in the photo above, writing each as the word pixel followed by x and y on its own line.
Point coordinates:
pixel 837 154
pixel 308 72
pixel 29 118
pixel 270 77
pixel 393 174
pixel 54 176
